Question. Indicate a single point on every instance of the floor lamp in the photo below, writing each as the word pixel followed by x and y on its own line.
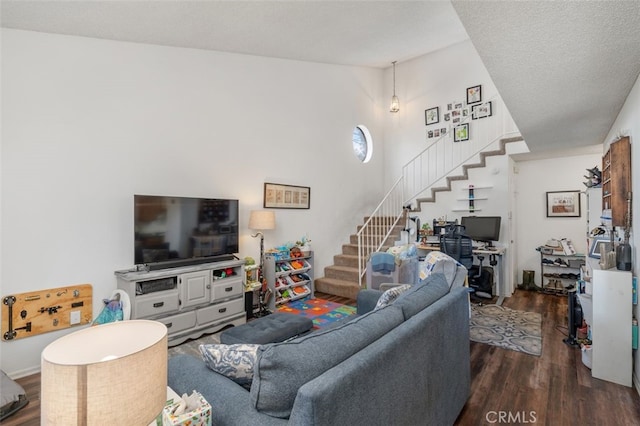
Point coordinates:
pixel 262 220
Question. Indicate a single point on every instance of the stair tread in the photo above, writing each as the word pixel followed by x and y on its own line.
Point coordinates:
pixel 465 167
pixel 338 281
pixel 342 268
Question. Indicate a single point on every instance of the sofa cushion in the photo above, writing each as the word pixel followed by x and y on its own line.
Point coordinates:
pixel 389 296
pixel 422 295
pixel 282 368
pixel 233 361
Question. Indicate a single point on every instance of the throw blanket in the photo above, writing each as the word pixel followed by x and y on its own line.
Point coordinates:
pixel 436 261
pixel 383 263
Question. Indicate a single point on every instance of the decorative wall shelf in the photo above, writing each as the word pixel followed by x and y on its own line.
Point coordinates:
pixel 471 198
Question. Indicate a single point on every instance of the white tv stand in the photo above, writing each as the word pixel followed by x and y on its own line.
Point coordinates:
pixel 189 300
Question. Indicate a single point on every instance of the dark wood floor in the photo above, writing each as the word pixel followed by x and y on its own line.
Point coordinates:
pixel 553 389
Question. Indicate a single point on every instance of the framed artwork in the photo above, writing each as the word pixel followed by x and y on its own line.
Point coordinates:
pixel 431 115
pixel 598 246
pixel 481 110
pixel 461 132
pixel 278 196
pixel 474 94
pixel 563 204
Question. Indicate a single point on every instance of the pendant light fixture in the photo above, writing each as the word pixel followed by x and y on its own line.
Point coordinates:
pixel 395 103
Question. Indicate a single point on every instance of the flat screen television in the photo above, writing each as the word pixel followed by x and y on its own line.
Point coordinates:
pixel 482 228
pixel 177 231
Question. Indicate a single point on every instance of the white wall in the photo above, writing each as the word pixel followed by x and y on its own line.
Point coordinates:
pixel 534 179
pixel 628 124
pixel 88 123
pixel 425 82
pixel 438 79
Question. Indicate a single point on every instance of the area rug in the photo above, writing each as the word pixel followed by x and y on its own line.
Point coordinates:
pixel 191 346
pixel 322 312
pixel 507 328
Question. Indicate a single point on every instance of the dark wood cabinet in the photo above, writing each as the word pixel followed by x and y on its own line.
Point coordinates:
pixel 616 180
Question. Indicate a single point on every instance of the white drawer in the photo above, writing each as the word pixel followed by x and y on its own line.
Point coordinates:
pixel 148 305
pixel 226 288
pixel 179 322
pixel 221 310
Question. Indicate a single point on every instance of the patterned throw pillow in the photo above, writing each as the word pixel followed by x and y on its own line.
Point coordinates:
pixel 389 296
pixel 233 361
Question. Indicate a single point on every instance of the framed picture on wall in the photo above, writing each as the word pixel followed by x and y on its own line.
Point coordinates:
pixel 280 196
pixel 474 94
pixel 431 115
pixel 461 132
pixel 563 204
pixel 481 110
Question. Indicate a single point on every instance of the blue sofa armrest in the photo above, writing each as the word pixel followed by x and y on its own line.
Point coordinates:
pixel 366 300
pixel 230 402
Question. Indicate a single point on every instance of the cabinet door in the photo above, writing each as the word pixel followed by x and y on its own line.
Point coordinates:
pixel 611 330
pixel 195 288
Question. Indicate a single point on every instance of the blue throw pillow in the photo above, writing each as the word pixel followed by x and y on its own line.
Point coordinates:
pixel 233 361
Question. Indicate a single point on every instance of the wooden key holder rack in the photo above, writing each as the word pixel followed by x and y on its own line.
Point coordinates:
pixel 42 311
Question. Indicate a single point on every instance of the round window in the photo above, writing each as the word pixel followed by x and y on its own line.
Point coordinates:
pixel 362 145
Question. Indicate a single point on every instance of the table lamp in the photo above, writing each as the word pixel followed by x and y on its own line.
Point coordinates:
pixel 114 373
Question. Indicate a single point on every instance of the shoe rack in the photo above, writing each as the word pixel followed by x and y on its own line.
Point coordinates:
pixel 560 272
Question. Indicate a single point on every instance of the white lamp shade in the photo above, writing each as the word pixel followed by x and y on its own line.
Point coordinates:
pixel 262 219
pixel 114 373
pixel 395 104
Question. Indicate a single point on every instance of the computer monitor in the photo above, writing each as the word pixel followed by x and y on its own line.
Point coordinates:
pixel 482 228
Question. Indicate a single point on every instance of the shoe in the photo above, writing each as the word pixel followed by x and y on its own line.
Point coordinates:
pixel 595 172
pixel 560 262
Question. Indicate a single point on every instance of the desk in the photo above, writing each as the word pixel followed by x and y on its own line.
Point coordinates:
pixel 498 273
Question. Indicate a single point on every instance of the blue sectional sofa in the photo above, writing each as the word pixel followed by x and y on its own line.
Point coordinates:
pixel 403 364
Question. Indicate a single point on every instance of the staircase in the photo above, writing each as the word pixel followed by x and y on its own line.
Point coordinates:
pixel 428 173
pixel 465 171
pixel 343 277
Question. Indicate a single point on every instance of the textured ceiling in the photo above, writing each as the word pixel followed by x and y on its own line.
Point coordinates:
pixel 564 68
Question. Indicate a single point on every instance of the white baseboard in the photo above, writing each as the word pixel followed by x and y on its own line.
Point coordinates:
pixel 24 373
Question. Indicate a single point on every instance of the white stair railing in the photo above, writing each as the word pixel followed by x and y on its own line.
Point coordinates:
pixel 379 226
pixel 428 168
pixel 444 156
